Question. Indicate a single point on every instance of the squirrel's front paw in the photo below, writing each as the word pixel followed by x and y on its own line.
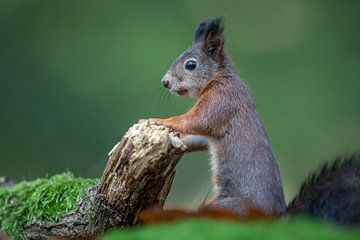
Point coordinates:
pixel 142 120
pixel 151 120
pixel 157 121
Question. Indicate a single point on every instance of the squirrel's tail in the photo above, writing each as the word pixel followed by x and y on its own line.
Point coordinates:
pixel 331 193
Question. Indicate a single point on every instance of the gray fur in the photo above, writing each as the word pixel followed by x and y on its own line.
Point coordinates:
pixel 192 81
pixel 244 168
pixel 243 158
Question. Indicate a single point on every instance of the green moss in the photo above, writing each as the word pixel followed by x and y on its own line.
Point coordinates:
pixel 42 199
pixel 49 199
pixel 208 230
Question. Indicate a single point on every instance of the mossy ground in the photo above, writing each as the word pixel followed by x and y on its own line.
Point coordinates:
pixel 41 199
pixel 49 199
pixel 215 230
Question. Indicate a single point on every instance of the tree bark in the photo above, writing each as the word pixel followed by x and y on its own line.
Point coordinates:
pixel 138 176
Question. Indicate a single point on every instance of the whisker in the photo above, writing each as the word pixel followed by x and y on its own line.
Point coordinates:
pixel 163 99
pixel 170 101
pixel 154 96
pixel 158 90
pixel 166 99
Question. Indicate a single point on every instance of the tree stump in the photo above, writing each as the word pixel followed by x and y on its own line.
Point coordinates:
pixel 138 175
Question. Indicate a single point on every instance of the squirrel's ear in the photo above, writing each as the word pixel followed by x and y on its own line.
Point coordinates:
pixel 209 33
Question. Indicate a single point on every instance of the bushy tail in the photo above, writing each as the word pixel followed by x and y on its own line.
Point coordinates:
pixel 331 193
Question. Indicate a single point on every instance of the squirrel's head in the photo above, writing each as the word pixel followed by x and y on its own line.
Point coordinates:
pixel 193 69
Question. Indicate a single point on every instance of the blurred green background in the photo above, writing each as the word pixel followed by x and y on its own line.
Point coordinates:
pixel 75 75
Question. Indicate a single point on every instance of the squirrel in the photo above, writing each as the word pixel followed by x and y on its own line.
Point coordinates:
pixel 225 121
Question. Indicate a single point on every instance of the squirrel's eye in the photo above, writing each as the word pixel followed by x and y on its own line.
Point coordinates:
pixel 190 65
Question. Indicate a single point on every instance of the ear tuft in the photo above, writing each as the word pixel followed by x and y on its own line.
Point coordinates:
pixel 210 33
pixel 211 27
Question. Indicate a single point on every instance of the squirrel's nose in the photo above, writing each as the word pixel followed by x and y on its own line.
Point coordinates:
pixel 165 82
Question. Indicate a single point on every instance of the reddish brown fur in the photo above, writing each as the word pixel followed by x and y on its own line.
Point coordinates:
pixel 244 168
pixel 196 120
pixel 158 215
